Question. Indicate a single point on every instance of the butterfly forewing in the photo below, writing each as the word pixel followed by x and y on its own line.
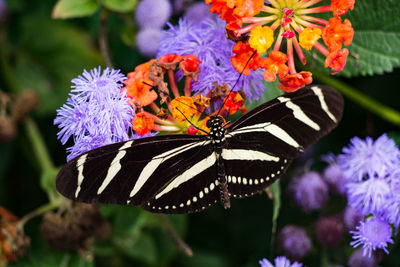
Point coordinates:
pixel 132 172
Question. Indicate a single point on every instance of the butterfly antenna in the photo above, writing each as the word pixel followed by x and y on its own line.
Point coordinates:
pixel 233 87
pixel 191 122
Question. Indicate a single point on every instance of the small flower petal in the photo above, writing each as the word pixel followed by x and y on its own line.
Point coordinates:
pixel 142 123
pixel 336 60
pixel 261 38
pixel 336 32
pixel 340 7
pixel 183 105
pixel 293 82
pixel 309 37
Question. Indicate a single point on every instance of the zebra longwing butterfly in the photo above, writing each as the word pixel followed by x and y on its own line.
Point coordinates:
pixel 188 173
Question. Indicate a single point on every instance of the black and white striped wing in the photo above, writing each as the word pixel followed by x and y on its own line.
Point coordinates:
pixel 160 173
pixel 262 143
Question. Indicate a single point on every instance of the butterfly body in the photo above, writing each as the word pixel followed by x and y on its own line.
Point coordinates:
pixel 188 173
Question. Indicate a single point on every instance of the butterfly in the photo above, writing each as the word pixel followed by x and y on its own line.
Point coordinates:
pixel 187 173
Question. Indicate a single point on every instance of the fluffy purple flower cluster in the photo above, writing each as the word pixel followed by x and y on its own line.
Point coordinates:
pixel 368 173
pixel 97 113
pixel 372 179
pixel 279 262
pixel 294 242
pixel 207 41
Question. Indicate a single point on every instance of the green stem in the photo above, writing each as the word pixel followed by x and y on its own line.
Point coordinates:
pixel 275 190
pixel 381 110
pixel 39 211
pixel 39 147
pixel 169 228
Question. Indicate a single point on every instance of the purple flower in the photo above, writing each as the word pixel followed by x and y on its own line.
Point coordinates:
pixel 198 12
pixel 279 262
pixel 329 231
pixel 357 259
pixel 369 196
pixel 147 41
pixel 365 159
pixel 207 41
pixel 352 218
pixel 333 175
pixel 309 191
pixel 97 113
pixel 372 234
pixel 153 13
pixel 294 242
pixel 391 210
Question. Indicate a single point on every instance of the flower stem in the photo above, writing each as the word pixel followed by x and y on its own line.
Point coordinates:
pixel 39 147
pixel 379 109
pixel 170 230
pixel 103 43
pixel 39 211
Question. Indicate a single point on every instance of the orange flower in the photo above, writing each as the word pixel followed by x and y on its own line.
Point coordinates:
pixel 290 25
pixel 185 105
pixel 226 13
pixel 232 11
pixel 234 102
pixel 293 82
pixel 171 58
pixel 340 7
pixel 309 37
pixel 243 53
pixel 138 85
pixel 275 64
pixel 261 38
pixel 142 123
pixel 13 241
pixel 337 60
pixel 336 32
pixel 246 8
pixel 190 64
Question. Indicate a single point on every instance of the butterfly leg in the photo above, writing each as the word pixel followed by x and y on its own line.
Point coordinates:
pixel 223 185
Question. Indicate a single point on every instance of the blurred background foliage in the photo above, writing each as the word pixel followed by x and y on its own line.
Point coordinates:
pixel 43 54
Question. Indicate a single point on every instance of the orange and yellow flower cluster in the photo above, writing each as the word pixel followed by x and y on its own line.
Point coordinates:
pixel 141 87
pixel 268 25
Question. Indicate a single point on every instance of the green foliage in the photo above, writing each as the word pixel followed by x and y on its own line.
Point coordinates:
pixel 46 259
pixel 376 39
pixel 122 6
pixel 65 9
pixel 270 92
pixel 41 66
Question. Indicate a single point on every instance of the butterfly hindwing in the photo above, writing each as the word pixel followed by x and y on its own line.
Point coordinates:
pixel 272 135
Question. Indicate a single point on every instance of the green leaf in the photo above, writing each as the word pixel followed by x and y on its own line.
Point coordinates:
pixel 122 6
pixel 65 9
pixel 376 39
